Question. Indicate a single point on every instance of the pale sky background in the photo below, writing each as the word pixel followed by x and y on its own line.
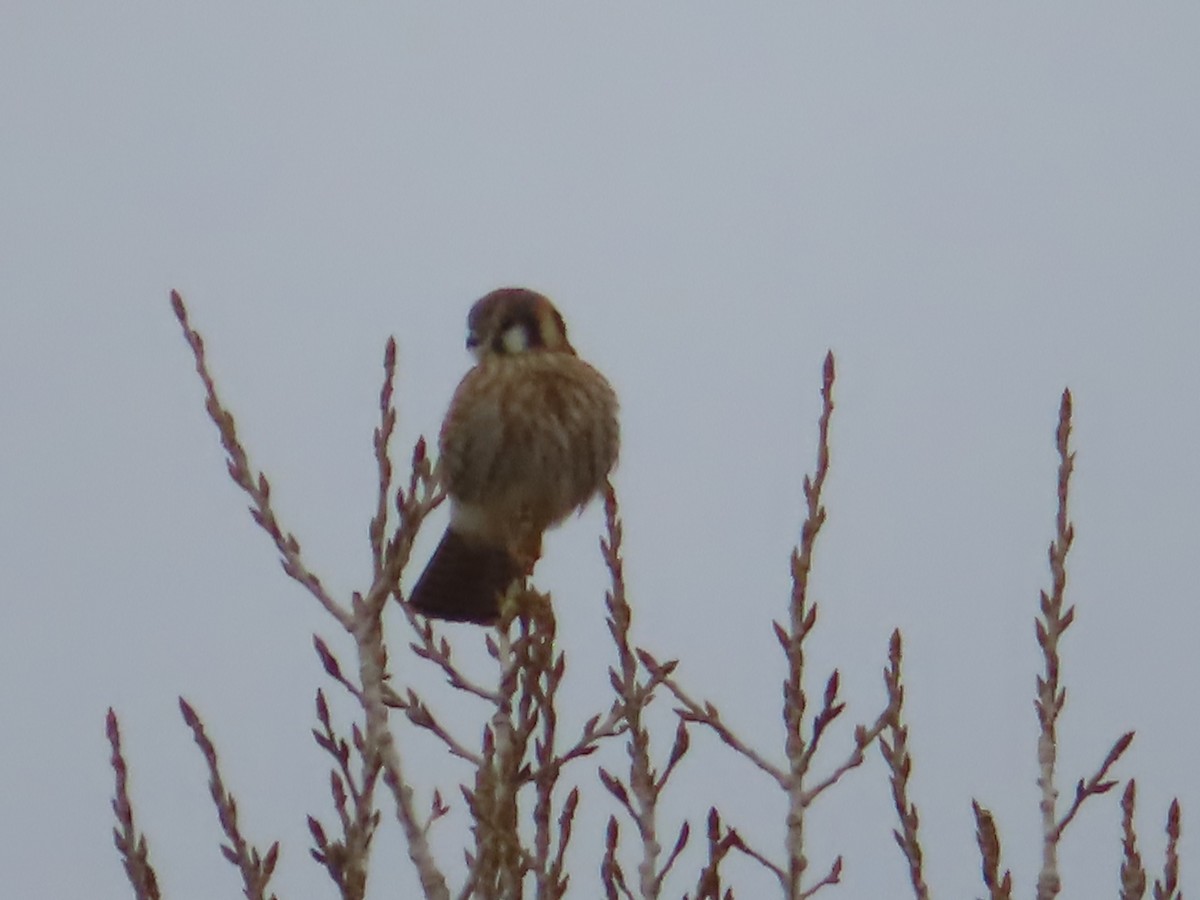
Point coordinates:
pixel 974 205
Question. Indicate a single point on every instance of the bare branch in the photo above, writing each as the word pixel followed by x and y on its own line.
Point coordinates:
pixel 863 738
pixel 833 876
pixel 419 713
pixel 741 846
pixel 346 860
pixel 720 842
pixel 1097 784
pixel 1050 627
pixel 131 845
pixel 708 715
pixel 633 696
pixel 381 745
pixel 254 484
pixel 899 763
pixel 999 886
pixel 438 651
pixel 1167 888
pixel 1133 873
pixel 612 878
pixel 333 668
pixel 255 869
pixel 383 437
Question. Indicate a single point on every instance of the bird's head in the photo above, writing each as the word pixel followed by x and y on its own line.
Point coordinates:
pixel 509 321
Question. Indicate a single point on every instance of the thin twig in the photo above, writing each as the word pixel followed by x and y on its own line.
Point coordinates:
pixel 863 738
pixel 634 695
pixel 741 846
pixel 1052 623
pixel 346 860
pixel 131 844
pixel 382 745
pixel 803 737
pixel 1097 784
pixel 1167 888
pixel 612 878
pixel 419 713
pixel 899 763
pixel 802 618
pixel 708 715
pixel 380 749
pixel 833 876
pixel 999 886
pixel 383 436
pixel 255 485
pixel 720 842
pixel 1133 873
pixel 437 650
pixel 362 620
pixel 255 868
pixel 333 668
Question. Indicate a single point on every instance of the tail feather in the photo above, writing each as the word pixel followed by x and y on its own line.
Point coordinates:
pixel 463 580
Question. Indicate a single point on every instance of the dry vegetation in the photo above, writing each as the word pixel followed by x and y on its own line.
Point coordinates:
pixel 521 819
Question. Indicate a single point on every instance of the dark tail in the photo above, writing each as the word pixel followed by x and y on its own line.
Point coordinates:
pixel 463 580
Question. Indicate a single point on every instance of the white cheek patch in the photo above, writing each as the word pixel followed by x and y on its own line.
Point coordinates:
pixel 515 340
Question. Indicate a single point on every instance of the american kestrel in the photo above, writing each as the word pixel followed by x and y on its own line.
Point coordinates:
pixel 531 434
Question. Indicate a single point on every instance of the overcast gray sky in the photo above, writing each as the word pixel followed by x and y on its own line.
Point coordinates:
pixel 972 205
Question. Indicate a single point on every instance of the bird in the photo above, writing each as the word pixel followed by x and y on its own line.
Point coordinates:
pixel 531 435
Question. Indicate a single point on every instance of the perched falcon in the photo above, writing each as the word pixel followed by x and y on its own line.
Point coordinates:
pixel 531 434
